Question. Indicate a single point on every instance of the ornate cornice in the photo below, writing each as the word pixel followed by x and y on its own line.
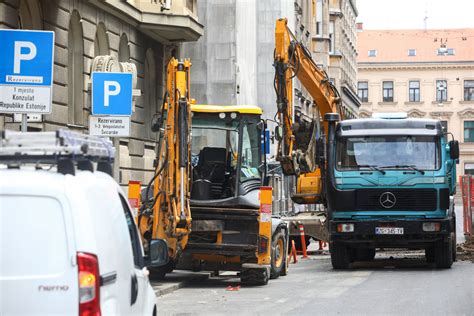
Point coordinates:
pixel 365 114
pixel 438 114
pixel 428 66
pixel 467 113
pixel 416 113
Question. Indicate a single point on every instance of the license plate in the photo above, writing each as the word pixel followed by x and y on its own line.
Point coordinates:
pixel 389 230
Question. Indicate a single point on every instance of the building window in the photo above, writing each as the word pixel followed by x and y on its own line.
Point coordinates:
pixel 75 52
pixel 190 5
pixel 468 131
pixel 412 52
pixel 444 126
pixel 450 51
pixel 373 53
pixel 101 43
pixel 441 91
pixel 319 18
pixel 124 49
pixel 414 91
pixel 363 91
pixel 468 90
pixel 469 168
pixel 332 38
pixel 387 91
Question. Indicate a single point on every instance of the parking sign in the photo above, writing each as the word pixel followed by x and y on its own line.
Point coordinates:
pixel 111 93
pixel 26 71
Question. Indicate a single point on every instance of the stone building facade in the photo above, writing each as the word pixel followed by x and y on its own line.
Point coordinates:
pixel 332 41
pixel 426 73
pixel 137 36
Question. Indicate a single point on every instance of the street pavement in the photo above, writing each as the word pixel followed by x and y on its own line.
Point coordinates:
pixel 405 285
pixel 395 283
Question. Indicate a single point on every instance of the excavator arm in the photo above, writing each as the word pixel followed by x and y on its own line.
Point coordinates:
pixel 300 143
pixel 168 214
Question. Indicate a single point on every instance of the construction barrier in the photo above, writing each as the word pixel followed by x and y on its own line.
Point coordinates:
pixel 467 189
pixel 303 241
pixel 134 190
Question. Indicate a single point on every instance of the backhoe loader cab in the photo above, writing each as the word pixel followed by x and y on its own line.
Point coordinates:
pixel 226 157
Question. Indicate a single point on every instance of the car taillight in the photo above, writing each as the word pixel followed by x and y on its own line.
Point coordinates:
pixel 89 284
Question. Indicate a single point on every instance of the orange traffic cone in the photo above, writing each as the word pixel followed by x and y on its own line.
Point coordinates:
pixel 293 252
pixel 303 241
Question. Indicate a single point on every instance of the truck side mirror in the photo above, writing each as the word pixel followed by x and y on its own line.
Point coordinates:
pixel 158 253
pixel 454 149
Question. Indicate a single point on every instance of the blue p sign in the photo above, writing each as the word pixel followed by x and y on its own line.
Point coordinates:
pixel 111 93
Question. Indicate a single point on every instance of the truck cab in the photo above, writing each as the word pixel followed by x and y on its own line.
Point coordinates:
pixel 391 181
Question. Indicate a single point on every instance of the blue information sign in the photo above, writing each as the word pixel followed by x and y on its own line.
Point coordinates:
pixel 111 93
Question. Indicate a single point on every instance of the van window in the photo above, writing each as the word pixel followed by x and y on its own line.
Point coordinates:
pixel 32 236
pixel 132 229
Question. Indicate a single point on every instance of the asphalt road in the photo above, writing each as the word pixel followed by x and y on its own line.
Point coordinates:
pixel 405 285
pixel 396 283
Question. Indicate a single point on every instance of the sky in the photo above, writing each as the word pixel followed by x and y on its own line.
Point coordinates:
pixel 410 14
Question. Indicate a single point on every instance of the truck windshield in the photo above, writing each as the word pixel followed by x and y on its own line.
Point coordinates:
pixel 388 152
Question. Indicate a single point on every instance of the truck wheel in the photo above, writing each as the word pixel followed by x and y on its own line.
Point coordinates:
pixel 365 254
pixel 443 253
pixel 454 240
pixel 340 256
pixel 429 254
pixel 277 255
pixel 254 276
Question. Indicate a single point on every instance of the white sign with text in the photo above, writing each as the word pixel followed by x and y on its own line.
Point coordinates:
pixel 110 126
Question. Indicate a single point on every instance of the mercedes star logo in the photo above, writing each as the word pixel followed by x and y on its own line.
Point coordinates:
pixel 387 199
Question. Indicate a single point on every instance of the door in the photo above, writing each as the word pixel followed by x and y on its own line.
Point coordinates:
pixel 139 282
pixel 36 251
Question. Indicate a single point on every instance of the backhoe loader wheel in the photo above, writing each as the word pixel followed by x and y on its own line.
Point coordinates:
pixel 277 255
pixel 254 276
pixel 340 256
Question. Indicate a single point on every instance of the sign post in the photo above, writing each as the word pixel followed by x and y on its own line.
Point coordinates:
pixel 26 72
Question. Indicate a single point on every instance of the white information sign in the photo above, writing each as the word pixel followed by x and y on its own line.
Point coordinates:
pixel 30 117
pixel 26 71
pixel 110 126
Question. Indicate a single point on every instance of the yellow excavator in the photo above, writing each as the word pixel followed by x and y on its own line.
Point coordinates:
pixel 301 147
pixel 301 143
pixel 209 202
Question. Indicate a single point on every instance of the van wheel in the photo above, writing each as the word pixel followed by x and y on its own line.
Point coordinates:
pixel 340 255
pixel 443 253
pixel 277 255
pixel 254 276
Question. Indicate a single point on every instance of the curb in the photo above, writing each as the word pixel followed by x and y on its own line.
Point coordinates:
pixel 164 288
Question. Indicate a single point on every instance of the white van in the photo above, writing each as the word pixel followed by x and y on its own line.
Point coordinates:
pixel 69 244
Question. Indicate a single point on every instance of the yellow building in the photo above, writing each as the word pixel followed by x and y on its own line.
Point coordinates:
pixel 426 73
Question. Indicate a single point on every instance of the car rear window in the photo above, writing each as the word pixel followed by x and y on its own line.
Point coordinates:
pixel 32 236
